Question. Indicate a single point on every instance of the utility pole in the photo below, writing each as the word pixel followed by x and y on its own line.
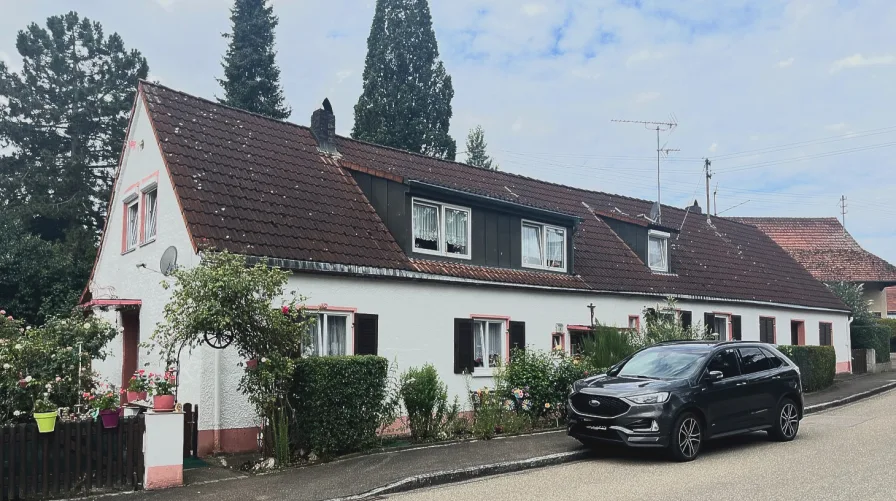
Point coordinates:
pixel 706 167
pixel 843 211
pixel 715 203
pixel 660 151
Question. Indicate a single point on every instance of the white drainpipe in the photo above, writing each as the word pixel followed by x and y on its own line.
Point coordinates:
pixel 217 419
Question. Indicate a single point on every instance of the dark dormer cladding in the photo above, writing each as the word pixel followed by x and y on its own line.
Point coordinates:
pixel 652 243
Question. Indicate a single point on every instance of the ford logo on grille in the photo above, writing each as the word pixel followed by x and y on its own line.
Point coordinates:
pixel 594 403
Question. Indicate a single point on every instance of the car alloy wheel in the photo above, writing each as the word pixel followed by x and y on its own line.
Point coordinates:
pixel 789 420
pixel 689 437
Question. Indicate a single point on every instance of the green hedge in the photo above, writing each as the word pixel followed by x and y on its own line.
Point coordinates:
pixel 817 364
pixel 872 337
pixel 890 323
pixel 338 402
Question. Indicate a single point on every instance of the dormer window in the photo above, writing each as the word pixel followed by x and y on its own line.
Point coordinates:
pixel 441 229
pixel 544 246
pixel 658 251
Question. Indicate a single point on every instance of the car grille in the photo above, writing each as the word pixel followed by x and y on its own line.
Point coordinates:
pixel 584 403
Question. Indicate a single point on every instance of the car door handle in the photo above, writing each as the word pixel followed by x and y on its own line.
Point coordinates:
pixel 742 383
pixel 776 377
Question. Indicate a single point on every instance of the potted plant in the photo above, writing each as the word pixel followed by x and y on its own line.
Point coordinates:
pixel 138 386
pixel 106 401
pixel 45 413
pixel 162 386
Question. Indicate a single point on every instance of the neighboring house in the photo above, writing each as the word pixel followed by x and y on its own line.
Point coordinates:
pixel 828 251
pixel 891 301
pixel 412 258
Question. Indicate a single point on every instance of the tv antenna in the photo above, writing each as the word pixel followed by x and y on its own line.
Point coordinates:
pixel 661 151
pixel 843 211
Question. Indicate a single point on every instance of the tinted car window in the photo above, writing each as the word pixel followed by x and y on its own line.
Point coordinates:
pixel 773 360
pixel 726 363
pixel 663 362
pixel 753 360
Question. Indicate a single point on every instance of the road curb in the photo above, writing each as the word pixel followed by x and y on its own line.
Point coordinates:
pixel 850 399
pixel 464 474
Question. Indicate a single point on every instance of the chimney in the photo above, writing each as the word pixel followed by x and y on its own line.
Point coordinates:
pixel 696 208
pixel 323 126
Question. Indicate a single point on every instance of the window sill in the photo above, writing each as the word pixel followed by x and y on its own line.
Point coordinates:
pixel 466 257
pixel 543 268
pixel 482 372
pixel 153 239
pixel 132 249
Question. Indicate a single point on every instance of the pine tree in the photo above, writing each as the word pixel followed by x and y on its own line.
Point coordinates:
pixel 63 120
pixel 476 145
pixel 251 77
pixel 406 101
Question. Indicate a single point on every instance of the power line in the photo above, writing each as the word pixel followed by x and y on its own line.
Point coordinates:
pixel 807 157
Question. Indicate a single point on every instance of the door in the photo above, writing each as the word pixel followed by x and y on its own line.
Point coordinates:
pixel 795 333
pixel 759 398
pixel 720 327
pixel 723 399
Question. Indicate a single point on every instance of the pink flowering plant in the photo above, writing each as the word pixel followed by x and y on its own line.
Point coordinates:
pixel 103 397
pixel 139 381
pixel 162 384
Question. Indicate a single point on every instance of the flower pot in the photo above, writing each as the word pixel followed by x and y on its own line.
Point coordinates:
pixel 163 403
pixel 133 396
pixel 109 418
pixel 46 421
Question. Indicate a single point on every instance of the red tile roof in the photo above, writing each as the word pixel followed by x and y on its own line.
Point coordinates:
pixel 260 187
pixel 825 248
pixel 891 300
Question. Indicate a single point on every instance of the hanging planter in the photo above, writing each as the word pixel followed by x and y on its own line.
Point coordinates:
pixel 109 418
pixel 46 421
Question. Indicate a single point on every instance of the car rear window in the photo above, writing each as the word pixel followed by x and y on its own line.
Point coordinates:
pixel 753 360
pixel 774 360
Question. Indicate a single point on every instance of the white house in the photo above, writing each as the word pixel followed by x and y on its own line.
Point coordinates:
pixel 413 258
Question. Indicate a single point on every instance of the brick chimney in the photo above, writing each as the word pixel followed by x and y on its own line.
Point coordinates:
pixel 696 208
pixel 323 126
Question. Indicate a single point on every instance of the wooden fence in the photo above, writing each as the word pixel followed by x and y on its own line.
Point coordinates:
pixel 76 458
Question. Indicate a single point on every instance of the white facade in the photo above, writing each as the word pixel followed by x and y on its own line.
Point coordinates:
pixel 415 318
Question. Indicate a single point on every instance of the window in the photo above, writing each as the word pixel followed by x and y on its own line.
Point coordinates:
pixel 686 319
pixel 825 335
pixel 544 246
pixel 488 336
pixel 773 360
pixel 577 341
pixel 150 214
pixel 634 322
pixel 658 251
pixel 767 330
pixel 441 229
pixel 557 342
pixel 720 326
pixel 663 362
pixel 329 336
pixel 132 213
pixel 726 363
pixel 753 360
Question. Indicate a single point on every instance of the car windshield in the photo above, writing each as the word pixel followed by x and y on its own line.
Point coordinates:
pixel 664 362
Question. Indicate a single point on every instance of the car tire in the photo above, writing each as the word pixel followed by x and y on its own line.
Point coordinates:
pixel 686 438
pixel 787 421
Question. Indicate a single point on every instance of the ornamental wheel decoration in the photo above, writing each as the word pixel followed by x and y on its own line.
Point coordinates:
pixel 218 340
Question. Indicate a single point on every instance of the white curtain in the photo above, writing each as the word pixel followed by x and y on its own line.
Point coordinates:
pixel 656 253
pixel 554 247
pixel 426 223
pixel 132 225
pixel 316 335
pixel 532 245
pixel 336 335
pixel 478 344
pixel 494 343
pixel 151 211
pixel 456 230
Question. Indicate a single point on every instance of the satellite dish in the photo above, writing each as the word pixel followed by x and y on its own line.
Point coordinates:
pixel 169 261
pixel 654 211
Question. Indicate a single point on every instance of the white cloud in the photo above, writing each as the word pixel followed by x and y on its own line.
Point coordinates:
pixel 786 63
pixel 641 56
pixel 534 9
pixel 835 127
pixel 646 97
pixel 167 4
pixel 517 125
pixel 585 74
pixel 342 75
pixel 858 60
pixel 713 147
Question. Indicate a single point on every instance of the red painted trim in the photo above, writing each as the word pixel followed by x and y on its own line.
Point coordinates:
pixel 163 477
pixel 800 331
pixel 506 320
pixel 233 440
pixel 844 367
pixel 637 318
pixel 578 328
pixel 154 177
pixel 562 337
pixel 112 302
pixel 730 334
pixel 774 328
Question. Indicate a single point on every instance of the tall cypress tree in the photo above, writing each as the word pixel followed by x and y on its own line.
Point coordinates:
pixel 251 77
pixel 476 155
pixel 406 102
pixel 63 120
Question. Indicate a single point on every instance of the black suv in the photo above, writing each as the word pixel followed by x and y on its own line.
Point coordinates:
pixel 677 395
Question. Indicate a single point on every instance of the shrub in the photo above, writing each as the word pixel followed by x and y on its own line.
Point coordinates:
pixel 425 399
pixel 609 345
pixel 817 364
pixel 337 402
pixel 537 383
pixel 872 337
pixel 890 323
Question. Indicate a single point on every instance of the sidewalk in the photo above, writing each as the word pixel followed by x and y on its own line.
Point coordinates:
pixel 379 474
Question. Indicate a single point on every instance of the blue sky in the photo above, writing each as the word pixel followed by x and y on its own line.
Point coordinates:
pixel 792 100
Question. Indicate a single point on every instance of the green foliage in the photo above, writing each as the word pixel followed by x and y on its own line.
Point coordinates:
pixel 337 402
pixel 889 323
pixel 660 327
pixel 852 295
pixel 537 383
pixel 872 337
pixel 103 397
pixel 162 384
pixel 425 399
pixel 476 145
pixel 609 345
pixel 817 364
pixel 43 362
pixel 488 412
pixel 406 98
pixel 251 77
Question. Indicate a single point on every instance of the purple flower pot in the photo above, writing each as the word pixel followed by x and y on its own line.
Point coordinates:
pixel 110 418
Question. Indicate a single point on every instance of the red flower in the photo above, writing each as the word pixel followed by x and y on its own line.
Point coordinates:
pixel 133 378
pixel 22 383
pixel 285 310
pixel 141 372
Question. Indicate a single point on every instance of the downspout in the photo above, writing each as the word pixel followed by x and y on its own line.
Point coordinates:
pixel 217 418
pixel 849 341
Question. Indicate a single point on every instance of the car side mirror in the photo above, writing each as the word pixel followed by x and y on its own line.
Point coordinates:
pixel 712 376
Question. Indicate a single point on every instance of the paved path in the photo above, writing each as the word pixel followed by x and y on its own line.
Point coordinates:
pixel 845 453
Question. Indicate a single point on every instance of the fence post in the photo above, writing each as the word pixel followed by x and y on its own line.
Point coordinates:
pixel 163 450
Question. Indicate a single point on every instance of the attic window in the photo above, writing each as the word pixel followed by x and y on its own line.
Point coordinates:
pixel 658 251
pixel 131 225
pixel 440 229
pixel 544 246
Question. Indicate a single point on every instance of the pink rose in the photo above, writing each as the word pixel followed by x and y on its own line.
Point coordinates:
pixel 285 310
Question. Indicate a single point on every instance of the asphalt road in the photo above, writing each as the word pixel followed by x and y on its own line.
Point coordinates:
pixel 843 454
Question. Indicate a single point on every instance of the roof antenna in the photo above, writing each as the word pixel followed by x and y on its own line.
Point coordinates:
pixel 660 151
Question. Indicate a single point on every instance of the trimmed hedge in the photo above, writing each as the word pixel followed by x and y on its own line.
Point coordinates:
pixel 890 323
pixel 872 337
pixel 817 364
pixel 338 402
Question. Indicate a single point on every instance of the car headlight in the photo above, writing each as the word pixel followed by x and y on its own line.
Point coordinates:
pixel 649 398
